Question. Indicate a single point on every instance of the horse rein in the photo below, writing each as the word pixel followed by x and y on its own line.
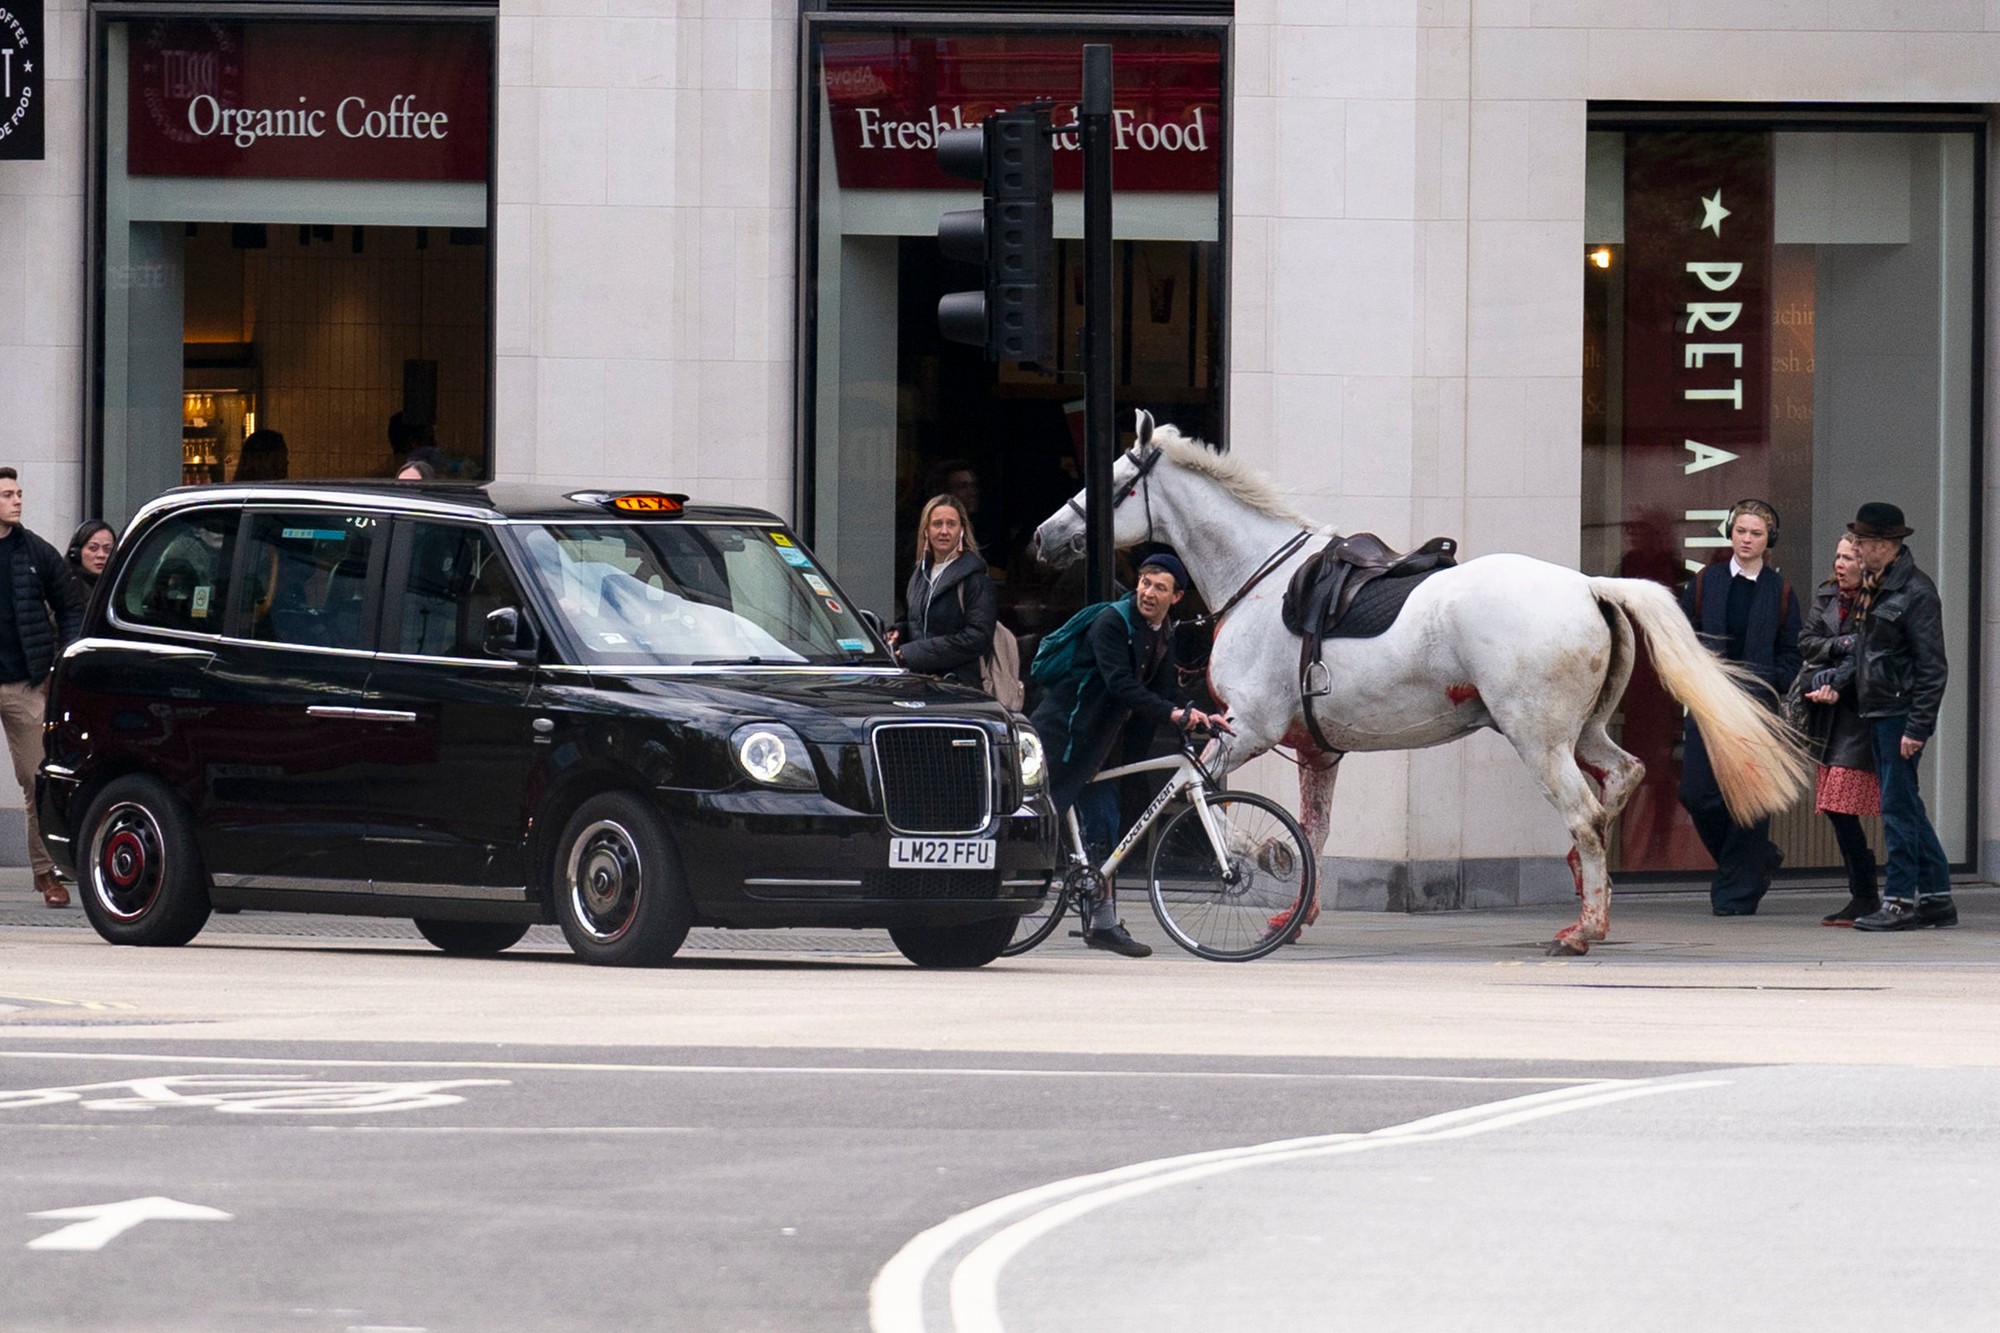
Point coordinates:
pixel 1257 576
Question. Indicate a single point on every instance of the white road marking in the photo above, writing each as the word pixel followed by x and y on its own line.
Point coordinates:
pixel 896 1298
pixel 105 1222
pixel 567 1066
pixel 249 1094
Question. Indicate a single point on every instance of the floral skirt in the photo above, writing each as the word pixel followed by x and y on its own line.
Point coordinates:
pixel 1848 791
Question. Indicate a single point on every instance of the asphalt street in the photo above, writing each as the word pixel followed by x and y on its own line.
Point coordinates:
pixel 1401 1123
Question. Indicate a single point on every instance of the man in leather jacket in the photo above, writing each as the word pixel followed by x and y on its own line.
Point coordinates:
pixel 1899 683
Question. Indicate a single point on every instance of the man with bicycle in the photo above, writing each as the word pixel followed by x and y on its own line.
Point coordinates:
pixel 1127 664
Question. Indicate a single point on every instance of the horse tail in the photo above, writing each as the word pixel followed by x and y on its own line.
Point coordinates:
pixel 1759 761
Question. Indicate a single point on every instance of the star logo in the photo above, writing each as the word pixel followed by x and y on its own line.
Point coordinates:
pixel 1712 213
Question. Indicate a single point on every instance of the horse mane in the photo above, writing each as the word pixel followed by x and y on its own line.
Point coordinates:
pixel 1229 472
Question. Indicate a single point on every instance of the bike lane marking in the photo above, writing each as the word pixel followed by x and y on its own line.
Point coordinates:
pixel 896 1298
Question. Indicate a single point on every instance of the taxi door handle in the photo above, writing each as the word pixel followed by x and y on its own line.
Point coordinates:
pixel 365 714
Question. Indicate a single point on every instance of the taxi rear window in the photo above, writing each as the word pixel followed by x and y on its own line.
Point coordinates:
pixel 179 577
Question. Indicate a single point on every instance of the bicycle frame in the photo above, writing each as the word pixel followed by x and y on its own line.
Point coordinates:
pixel 1188 776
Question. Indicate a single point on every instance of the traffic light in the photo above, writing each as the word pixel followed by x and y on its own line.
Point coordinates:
pixel 1012 236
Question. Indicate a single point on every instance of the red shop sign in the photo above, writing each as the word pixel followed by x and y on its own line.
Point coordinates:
pixel 889 93
pixel 328 101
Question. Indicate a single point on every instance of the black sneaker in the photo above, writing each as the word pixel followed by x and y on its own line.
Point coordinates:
pixel 1900 914
pixel 1116 940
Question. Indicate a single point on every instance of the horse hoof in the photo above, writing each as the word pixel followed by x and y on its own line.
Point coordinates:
pixel 1567 945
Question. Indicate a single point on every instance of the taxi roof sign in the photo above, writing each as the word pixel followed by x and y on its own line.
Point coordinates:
pixel 647 502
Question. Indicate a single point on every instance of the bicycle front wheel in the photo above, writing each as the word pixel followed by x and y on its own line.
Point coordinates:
pixel 1240 900
pixel 1039 924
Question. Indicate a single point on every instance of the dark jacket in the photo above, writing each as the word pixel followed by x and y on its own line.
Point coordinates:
pixel 1827 643
pixel 950 624
pixel 48 603
pixel 1901 640
pixel 1132 669
pixel 1770 640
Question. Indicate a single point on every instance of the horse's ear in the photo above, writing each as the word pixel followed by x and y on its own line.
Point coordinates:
pixel 1142 428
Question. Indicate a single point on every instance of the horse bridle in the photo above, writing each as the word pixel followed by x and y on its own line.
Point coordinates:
pixel 1137 483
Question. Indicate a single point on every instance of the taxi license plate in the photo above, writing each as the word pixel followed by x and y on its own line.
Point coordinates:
pixel 941 853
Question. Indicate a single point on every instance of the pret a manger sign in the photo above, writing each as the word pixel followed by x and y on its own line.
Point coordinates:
pixel 310 100
pixel 1697 388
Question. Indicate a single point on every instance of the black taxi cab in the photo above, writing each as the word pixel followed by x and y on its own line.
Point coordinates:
pixel 484 707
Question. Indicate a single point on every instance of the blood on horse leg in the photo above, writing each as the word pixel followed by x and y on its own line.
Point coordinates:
pixel 1593 920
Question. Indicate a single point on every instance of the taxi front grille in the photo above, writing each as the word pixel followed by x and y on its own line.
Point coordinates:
pixel 917 885
pixel 937 778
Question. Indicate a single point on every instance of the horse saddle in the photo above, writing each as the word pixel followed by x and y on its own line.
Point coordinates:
pixel 1324 600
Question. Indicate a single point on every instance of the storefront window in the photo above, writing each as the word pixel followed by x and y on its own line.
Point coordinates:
pixel 893 413
pixel 293 280
pixel 1789 314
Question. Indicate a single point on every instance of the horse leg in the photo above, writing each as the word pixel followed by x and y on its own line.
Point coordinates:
pixel 1617 775
pixel 1569 791
pixel 1317 772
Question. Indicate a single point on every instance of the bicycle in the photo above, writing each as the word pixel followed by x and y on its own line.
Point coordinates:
pixel 1231 876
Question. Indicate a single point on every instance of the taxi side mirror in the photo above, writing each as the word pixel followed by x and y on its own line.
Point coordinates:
pixel 509 634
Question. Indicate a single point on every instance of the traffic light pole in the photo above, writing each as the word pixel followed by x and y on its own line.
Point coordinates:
pixel 1099 429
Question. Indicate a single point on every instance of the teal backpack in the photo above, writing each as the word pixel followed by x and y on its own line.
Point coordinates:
pixel 1060 657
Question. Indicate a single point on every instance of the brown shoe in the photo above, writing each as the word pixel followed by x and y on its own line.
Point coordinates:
pixel 52 890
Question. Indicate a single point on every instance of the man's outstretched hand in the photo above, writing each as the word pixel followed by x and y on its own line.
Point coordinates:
pixel 1193 719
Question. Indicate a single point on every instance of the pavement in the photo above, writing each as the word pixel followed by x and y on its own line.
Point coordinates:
pixel 1657 922
pixel 1673 983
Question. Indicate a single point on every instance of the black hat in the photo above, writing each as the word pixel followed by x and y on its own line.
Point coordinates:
pixel 1166 564
pixel 1878 518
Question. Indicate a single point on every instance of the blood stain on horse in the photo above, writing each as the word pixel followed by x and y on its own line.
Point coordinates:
pixel 1597 774
pixel 1299 740
pixel 1462 694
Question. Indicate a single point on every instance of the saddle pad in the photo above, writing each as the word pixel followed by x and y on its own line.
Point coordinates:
pixel 1377 605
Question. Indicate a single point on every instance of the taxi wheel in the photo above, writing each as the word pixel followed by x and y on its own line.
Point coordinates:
pixel 140 874
pixel 471 939
pixel 619 892
pixel 972 945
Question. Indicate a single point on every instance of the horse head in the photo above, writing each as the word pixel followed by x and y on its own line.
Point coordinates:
pixel 1059 540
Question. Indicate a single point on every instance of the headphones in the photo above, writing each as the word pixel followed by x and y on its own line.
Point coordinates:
pixel 1758 508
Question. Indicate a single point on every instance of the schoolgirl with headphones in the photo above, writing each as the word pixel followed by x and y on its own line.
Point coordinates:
pixel 1747 613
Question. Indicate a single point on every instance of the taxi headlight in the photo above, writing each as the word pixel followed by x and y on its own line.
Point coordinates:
pixel 773 754
pixel 1029 746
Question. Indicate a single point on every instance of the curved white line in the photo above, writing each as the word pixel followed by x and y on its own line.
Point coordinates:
pixel 896 1298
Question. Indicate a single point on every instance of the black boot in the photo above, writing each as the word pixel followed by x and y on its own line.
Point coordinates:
pixel 1865 898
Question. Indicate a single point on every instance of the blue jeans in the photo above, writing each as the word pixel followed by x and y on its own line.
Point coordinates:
pixel 1096 805
pixel 1916 862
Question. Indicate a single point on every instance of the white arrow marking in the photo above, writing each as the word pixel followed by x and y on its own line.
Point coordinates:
pixel 104 1222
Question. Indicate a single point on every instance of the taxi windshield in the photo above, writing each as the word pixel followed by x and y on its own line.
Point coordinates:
pixel 685 594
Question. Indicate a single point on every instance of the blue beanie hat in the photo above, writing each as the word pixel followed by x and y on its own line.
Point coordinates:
pixel 1167 564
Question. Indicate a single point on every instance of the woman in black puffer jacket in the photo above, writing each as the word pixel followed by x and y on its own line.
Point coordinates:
pixel 951 603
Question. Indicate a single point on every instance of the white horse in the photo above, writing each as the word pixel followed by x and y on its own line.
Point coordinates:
pixel 1537 652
